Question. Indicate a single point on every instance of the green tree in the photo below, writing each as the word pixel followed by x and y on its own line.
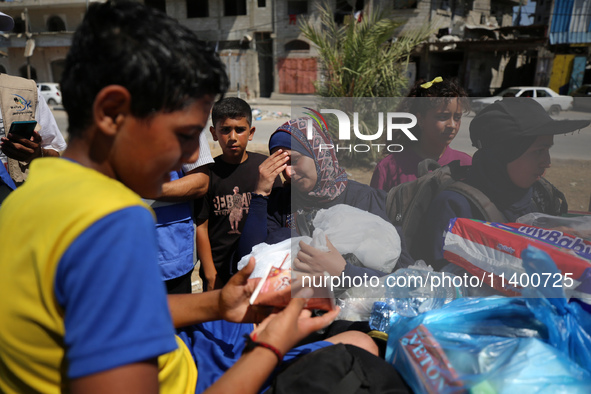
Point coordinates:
pixel 362 59
pixel 364 63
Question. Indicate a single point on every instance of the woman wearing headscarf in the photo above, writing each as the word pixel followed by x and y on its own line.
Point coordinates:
pixel 513 137
pixel 314 181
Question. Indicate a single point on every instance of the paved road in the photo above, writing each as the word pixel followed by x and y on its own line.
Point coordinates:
pixel 573 146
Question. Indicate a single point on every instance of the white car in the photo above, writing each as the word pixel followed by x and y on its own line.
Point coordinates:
pixel 51 92
pixel 550 100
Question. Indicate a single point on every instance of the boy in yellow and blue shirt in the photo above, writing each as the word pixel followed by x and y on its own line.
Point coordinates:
pixel 83 308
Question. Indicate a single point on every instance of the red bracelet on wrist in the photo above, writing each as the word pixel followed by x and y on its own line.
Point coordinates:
pixel 251 344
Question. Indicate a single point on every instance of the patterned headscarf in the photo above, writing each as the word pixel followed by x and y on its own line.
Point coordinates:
pixel 332 179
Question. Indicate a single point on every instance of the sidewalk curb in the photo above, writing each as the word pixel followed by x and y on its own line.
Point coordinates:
pixel 275 99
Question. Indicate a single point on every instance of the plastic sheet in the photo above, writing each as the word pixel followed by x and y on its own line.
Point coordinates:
pixel 579 225
pixel 373 240
pixel 357 302
pixel 274 255
pixel 497 344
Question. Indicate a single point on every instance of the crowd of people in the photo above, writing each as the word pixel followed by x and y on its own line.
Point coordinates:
pixel 100 244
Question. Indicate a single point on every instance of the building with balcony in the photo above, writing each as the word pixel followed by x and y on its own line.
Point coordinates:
pixel 38 45
pixel 264 51
pixel 476 41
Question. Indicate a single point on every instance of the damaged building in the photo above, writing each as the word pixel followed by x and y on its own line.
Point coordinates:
pixel 478 41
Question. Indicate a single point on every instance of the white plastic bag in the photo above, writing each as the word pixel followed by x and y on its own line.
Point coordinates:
pixel 266 255
pixel 373 240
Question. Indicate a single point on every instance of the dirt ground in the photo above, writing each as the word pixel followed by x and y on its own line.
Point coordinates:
pixel 572 177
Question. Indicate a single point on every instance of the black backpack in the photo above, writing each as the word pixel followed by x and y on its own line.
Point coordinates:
pixel 339 369
pixel 407 203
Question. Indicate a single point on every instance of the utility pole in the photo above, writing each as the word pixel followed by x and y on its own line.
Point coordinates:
pixel 28 50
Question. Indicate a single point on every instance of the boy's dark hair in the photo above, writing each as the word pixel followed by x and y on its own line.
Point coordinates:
pixel 231 107
pixel 161 63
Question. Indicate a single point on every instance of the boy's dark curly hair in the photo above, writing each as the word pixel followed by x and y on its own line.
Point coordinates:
pixel 163 65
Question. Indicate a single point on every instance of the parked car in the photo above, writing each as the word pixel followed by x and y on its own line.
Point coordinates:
pixel 51 92
pixel 582 98
pixel 550 100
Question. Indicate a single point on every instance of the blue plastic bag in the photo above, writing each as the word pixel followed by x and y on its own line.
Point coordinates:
pixel 497 344
pixel 569 325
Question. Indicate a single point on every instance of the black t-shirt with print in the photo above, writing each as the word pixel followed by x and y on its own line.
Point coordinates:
pixel 226 206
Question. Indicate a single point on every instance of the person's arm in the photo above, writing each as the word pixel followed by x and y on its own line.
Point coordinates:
pixel 269 170
pixel 275 223
pixel 134 378
pixel 193 185
pixel 310 259
pixel 23 149
pixel 204 254
pixel 52 139
pixel 282 331
pixel 231 303
pixel 243 375
pixel 255 227
pixel 49 153
pixel 48 142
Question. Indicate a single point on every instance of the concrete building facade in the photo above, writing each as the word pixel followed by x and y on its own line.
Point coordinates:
pixel 265 53
pixel 259 41
pixel 38 45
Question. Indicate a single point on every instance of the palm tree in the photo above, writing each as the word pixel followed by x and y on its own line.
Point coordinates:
pixel 362 59
pixel 363 62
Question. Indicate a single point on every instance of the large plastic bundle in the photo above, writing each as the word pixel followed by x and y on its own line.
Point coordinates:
pixel 493 253
pixel 497 344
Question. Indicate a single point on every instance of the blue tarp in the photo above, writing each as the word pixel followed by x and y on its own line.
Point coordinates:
pixel 571 22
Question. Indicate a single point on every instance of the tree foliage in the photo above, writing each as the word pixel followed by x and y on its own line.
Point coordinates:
pixel 362 62
pixel 361 59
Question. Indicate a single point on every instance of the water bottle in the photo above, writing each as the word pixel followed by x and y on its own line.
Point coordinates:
pixel 415 291
pixel 383 316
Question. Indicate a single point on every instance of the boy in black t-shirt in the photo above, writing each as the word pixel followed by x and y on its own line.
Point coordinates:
pixel 234 175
